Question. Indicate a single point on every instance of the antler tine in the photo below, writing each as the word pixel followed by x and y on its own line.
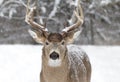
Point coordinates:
pixel 80 18
pixel 30 18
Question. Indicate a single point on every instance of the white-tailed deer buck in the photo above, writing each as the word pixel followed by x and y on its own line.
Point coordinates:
pixel 60 63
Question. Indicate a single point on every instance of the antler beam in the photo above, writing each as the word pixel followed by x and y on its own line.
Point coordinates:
pixel 80 18
pixel 30 18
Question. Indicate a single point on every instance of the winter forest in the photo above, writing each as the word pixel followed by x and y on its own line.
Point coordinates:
pixel 101 24
pixel 20 55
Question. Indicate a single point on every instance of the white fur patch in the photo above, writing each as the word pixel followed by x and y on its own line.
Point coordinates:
pixel 54 63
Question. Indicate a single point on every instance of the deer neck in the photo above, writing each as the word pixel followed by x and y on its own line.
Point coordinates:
pixel 55 74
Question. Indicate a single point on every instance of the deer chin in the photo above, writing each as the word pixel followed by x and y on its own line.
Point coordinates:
pixel 54 63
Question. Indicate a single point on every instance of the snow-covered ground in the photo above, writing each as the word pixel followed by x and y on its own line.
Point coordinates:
pixel 22 63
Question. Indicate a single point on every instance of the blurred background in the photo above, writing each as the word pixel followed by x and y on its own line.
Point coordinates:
pixel 101 25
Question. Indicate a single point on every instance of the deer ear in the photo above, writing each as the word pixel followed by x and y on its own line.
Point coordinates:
pixel 71 36
pixel 37 36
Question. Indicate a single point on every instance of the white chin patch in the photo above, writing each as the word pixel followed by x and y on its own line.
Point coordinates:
pixel 54 63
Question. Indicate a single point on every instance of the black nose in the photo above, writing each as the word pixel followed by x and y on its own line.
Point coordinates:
pixel 54 55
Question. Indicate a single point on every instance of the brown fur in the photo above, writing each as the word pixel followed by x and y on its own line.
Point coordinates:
pixel 55 37
pixel 64 72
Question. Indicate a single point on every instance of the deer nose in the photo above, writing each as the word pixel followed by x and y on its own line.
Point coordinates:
pixel 54 55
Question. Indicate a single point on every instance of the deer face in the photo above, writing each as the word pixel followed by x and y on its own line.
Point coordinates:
pixel 54 46
pixel 55 49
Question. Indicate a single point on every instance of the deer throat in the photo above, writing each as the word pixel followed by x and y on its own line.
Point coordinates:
pixel 56 74
pixel 55 71
pixel 54 63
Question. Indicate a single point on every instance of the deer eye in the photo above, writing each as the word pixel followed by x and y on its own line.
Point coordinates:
pixel 46 43
pixel 63 43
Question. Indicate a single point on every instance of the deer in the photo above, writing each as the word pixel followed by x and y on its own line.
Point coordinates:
pixel 61 62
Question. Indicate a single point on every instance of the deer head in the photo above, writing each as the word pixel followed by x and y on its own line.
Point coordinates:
pixel 54 43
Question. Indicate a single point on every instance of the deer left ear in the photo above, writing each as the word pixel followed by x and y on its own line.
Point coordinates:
pixel 71 36
pixel 37 36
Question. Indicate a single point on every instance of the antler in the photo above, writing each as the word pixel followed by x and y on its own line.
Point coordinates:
pixel 80 18
pixel 30 18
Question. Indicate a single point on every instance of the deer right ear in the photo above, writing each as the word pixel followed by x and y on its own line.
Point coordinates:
pixel 37 36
